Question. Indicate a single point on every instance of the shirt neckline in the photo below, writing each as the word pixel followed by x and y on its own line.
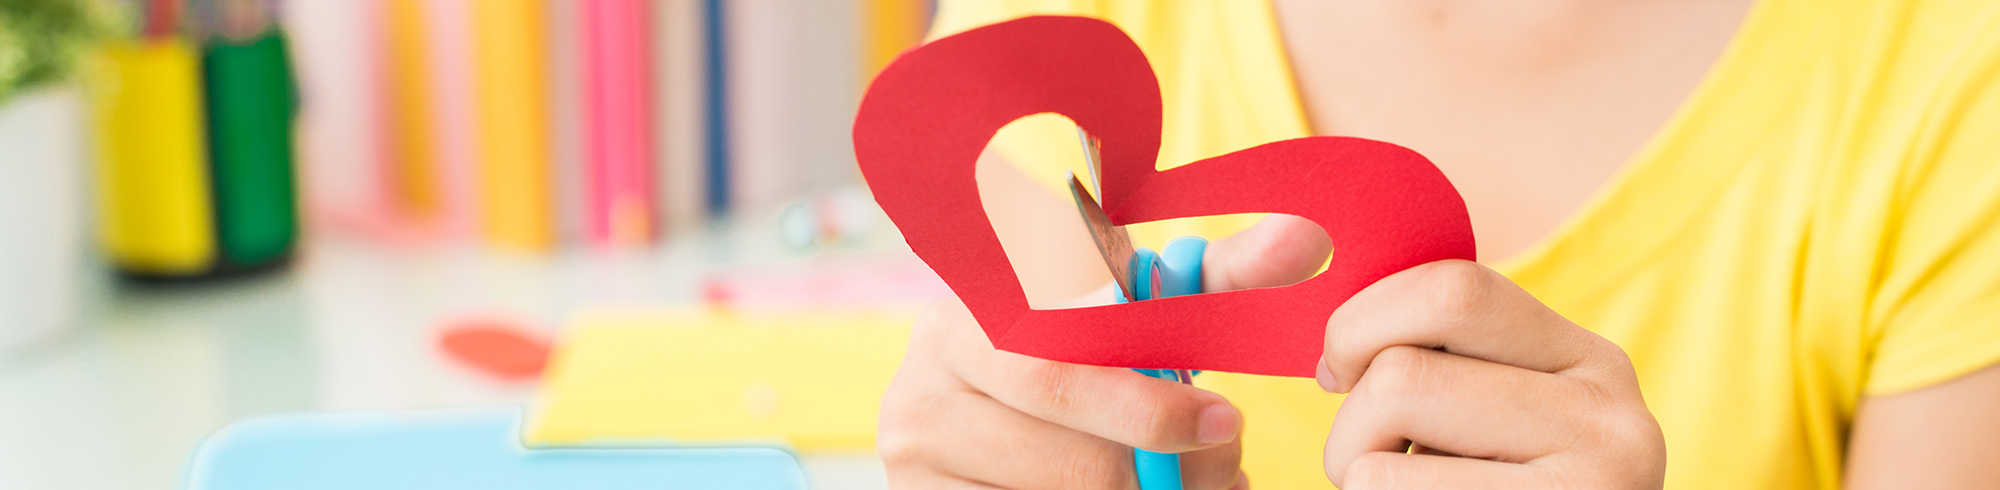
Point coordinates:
pixel 1649 168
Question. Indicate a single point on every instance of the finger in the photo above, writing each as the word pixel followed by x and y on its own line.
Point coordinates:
pixel 1466 309
pixel 932 338
pixel 936 431
pixel 977 438
pixel 1113 403
pixel 1279 250
pixel 1217 467
pixel 1458 405
pixel 1398 471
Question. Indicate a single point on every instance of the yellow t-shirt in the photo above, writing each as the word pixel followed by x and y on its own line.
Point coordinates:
pixel 1819 222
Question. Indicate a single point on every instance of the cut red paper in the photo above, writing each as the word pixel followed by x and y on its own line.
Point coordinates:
pixel 497 348
pixel 927 117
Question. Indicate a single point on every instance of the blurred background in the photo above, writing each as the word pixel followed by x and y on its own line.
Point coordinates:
pixel 215 211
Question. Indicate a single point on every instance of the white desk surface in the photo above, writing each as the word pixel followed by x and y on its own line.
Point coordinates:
pixel 121 399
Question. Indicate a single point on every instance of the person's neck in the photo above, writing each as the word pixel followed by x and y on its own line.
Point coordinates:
pixel 1529 106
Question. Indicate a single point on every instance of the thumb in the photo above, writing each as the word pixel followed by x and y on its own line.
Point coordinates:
pixel 1280 250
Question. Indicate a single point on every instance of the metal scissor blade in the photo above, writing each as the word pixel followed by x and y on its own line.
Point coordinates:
pixel 1092 150
pixel 1112 242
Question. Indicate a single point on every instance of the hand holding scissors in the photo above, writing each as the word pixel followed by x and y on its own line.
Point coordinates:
pixel 961 414
pixel 1142 274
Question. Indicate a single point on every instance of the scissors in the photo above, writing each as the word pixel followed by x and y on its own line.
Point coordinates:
pixel 1141 275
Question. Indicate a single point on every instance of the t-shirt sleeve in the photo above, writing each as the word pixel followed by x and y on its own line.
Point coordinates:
pixel 1937 304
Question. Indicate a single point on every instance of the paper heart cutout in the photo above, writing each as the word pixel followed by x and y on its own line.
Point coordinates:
pixel 927 117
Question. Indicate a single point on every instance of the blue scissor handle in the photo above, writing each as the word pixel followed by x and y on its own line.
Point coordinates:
pixel 1174 273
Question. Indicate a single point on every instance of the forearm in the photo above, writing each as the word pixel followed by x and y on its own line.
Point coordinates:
pixel 1941 437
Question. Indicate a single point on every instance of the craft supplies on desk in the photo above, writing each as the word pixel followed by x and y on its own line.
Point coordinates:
pixel 194 155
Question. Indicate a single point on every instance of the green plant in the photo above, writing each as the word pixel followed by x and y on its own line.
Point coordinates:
pixel 42 40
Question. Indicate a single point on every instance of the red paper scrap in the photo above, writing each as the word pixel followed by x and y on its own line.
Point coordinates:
pixel 496 348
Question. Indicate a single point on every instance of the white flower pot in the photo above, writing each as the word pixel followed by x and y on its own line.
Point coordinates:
pixel 41 223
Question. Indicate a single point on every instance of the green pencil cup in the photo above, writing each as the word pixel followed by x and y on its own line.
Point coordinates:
pixel 251 106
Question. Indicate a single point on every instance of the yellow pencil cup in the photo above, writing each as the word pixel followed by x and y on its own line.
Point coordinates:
pixel 152 172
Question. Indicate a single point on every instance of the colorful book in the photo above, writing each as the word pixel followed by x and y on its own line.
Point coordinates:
pixel 617 122
pixel 891 26
pixel 454 133
pixel 793 83
pixel 413 174
pixel 715 110
pixel 339 48
pixel 680 107
pixel 512 71
pixel 565 23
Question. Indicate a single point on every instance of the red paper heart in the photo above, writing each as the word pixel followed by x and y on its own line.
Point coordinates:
pixel 927 117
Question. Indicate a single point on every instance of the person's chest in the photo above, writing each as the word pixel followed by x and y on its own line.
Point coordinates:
pixel 1529 107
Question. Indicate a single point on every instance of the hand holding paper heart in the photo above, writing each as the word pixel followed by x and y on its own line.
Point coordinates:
pixel 927 117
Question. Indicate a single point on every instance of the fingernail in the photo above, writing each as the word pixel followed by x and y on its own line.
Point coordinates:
pixel 1218 424
pixel 1325 377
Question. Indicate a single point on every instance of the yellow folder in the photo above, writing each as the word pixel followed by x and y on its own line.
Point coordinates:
pixel 814 381
pixel 153 206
